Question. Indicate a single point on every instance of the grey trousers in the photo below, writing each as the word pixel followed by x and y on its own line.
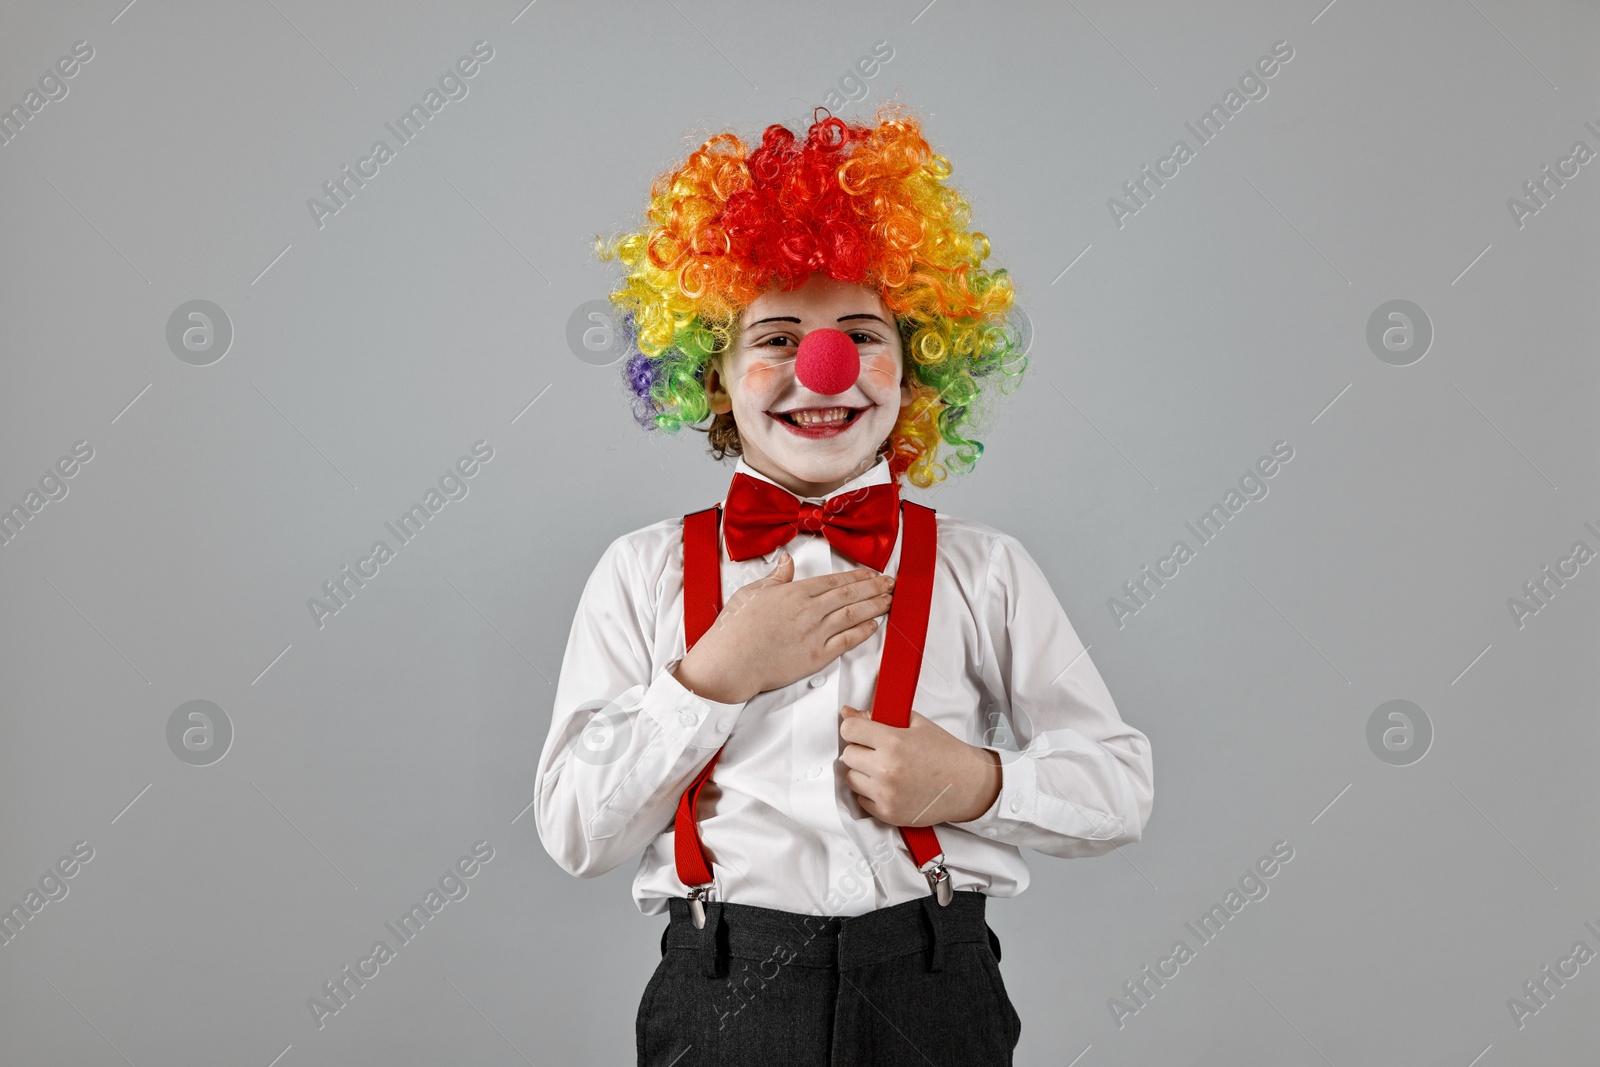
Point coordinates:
pixel 913 984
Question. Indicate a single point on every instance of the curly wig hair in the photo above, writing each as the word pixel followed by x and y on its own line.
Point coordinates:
pixel 863 204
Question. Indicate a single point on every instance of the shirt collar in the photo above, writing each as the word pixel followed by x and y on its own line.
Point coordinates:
pixel 877 474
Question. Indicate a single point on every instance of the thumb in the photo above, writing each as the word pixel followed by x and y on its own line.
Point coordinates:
pixel 783 570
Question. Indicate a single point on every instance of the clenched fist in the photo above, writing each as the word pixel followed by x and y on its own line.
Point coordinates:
pixel 917 775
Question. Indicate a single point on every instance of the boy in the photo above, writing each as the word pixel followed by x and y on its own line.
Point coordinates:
pixel 830 717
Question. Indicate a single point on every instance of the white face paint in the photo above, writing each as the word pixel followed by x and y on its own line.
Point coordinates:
pixel 760 383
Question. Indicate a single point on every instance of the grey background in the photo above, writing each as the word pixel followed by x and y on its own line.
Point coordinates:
pixel 1230 313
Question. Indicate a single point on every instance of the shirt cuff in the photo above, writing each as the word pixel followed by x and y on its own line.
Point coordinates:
pixel 691 720
pixel 1014 805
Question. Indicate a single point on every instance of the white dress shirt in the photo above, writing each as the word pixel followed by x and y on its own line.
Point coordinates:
pixel 1002 669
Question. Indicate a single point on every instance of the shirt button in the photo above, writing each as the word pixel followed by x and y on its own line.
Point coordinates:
pixel 1016 803
pixel 817 680
pixel 722 727
pixel 813 772
pixel 991 831
pixel 687 718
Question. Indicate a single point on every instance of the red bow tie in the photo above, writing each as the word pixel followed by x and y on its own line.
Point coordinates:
pixel 760 516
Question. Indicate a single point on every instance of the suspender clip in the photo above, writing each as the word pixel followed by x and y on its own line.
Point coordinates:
pixel 938 879
pixel 697 910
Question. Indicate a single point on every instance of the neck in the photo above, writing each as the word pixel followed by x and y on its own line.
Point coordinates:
pixel 799 486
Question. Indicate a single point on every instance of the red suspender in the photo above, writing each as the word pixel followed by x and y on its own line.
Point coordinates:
pixel 702 573
pixel 897 675
pixel 902 663
pixel 702 601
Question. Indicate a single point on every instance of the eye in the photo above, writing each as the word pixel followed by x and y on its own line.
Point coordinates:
pixel 860 337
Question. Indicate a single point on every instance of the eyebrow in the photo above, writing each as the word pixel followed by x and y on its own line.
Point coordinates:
pixel 796 321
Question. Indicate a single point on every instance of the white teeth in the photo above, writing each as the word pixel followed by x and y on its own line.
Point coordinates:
pixel 807 418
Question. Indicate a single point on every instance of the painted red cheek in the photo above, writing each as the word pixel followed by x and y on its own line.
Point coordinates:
pixel 765 375
pixel 881 366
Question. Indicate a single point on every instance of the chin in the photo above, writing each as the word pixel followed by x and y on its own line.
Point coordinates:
pixel 820 465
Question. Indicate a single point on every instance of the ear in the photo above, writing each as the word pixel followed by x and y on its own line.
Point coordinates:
pixel 717 395
pixel 908 391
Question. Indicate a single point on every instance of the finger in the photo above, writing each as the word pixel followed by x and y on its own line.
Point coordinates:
pixel 860 784
pixel 782 571
pixel 849 613
pixel 853 614
pixel 848 711
pixel 874 585
pixel 845 640
pixel 853 757
pixel 861 715
pixel 856 730
pixel 862 760
pixel 823 583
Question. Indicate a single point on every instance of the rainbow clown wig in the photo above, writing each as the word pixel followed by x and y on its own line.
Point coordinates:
pixel 863 204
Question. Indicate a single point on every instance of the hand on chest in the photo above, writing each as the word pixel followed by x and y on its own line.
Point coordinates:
pixel 932 660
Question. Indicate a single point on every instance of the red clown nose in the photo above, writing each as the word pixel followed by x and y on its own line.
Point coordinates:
pixel 827 362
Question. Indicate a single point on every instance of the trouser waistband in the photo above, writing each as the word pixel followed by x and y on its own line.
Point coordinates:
pixel 744 931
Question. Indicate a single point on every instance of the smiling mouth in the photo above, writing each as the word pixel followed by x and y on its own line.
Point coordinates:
pixel 819 418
